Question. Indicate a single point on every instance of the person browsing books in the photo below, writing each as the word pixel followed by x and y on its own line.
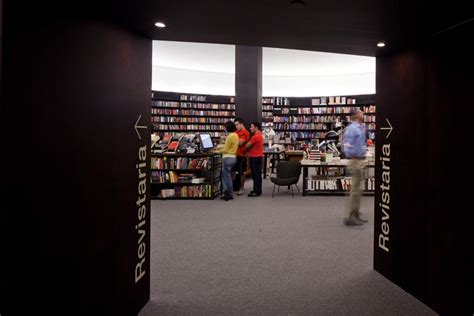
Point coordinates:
pixel 255 153
pixel 241 165
pixel 354 149
pixel 228 159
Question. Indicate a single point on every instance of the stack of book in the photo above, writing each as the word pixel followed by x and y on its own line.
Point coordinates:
pixel 314 154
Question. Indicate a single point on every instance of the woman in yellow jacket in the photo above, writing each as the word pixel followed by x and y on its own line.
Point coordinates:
pixel 229 159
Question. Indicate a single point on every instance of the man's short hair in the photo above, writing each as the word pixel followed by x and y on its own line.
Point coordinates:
pixel 257 125
pixel 355 111
pixel 240 120
pixel 230 127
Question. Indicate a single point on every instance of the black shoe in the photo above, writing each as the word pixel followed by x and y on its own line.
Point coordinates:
pixel 252 194
pixel 227 198
pixel 352 222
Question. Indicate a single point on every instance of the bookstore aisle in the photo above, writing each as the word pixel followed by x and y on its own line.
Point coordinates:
pixel 265 256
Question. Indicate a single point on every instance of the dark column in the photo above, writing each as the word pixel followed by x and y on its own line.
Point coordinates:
pixel 77 167
pixel 426 95
pixel 248 83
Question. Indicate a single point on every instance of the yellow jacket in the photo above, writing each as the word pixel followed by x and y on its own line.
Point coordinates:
pixel 230 146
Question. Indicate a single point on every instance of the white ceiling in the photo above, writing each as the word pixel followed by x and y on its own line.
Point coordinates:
pixel 194 56
pixel 276 62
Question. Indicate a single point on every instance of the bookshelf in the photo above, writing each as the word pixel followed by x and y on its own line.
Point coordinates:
pixel 185 176
pixel 267 111
pixel 333 179
pixel 178 113
pixel 305 118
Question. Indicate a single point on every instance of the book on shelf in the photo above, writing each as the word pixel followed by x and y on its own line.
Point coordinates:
pixel 322 185
pixel 166 193
pixel 198 180
pixel 267 100
pixel 185 97
pixel 180 163
pixel 164 104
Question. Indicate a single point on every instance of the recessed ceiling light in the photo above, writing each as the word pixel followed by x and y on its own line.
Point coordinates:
pixel 160 24
pixel 380 44
pixel 297 3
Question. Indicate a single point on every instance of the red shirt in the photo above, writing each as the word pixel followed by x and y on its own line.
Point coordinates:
pixel 244 136
pixel 256 150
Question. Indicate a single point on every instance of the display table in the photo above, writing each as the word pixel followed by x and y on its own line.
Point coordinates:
pixel 332 178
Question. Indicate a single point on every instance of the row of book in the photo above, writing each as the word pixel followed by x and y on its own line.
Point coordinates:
pixel 282 101
pixel 267 114
pixel 175 119
pixel 180 163
pixel 164 176
pixel 327 110
pixel 165 104
pixel 369 183
pixel 303 135
pixel 210 106
pixel 158 111
pixel 197 191
pixel 371 126
pixel 332 101
pixel 267 100
pixel 310 119
pixel 331 171
pixel 289 126
pixel 185 97
pixel 267 107
pixel 369 109
pixel 161 177
pixel 177 134
pixel 207 113
pixel 194 127
pixel 178 112
pixel 190 105
pixel 369 118
pixel 338 184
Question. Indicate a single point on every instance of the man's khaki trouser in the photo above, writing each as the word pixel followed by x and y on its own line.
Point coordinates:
pixel 356 169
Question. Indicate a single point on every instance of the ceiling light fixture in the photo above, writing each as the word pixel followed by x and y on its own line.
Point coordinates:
pixel 297 3
pixel 160 24
pixel 380 44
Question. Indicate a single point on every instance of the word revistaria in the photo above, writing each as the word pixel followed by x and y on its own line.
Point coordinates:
pixel 141 213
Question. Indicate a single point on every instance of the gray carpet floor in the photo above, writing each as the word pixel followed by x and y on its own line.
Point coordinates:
pixel 267 256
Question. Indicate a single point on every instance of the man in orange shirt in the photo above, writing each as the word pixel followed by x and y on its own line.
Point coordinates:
pixel 255 153
pixel 241 164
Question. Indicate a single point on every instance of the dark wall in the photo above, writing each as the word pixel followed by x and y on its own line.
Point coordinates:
pixel 426 95
pixel 248 83
pixel 73 93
